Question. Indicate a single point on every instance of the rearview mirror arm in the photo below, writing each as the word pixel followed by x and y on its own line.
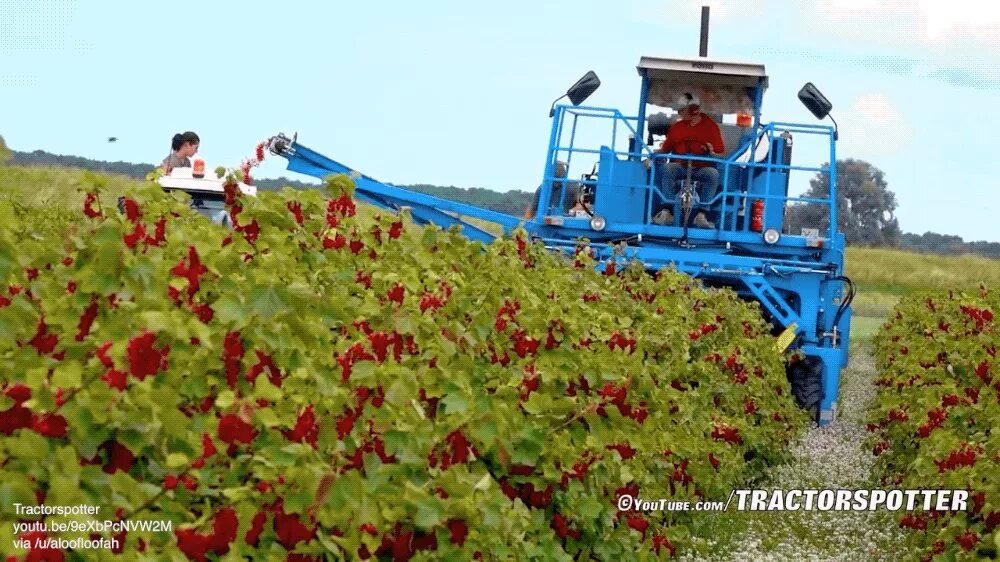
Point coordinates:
pixel 552 110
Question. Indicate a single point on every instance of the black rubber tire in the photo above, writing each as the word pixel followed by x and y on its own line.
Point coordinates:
pixel 806 378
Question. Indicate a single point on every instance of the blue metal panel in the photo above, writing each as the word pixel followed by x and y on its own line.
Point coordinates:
pixel 775 188
pixel 621 194
pixel 833 190
pixel 844 328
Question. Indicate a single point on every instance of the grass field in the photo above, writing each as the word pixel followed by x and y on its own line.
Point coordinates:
pixel 892 272
pixel 883 276
pixel 870 302
pixel 864 327
pixel 45 186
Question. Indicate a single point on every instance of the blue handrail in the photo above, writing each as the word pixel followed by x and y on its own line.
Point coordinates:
pixel 763 133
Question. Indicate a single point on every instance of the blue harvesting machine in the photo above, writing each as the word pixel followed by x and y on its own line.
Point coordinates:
pixel 618 204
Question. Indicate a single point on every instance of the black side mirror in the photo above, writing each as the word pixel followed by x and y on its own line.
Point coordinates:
pixel 815 101
pixel 583 88
pixel 579 91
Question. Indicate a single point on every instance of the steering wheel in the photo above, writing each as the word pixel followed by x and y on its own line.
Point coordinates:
pixel 686 194
pixel 702 150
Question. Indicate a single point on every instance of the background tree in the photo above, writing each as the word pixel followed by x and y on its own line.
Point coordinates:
pixel 865 206
pixel 4 151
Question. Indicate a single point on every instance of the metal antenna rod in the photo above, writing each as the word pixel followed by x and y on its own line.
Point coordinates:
pixel 703 49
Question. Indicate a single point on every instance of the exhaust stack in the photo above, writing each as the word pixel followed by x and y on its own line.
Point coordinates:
pixel 703 49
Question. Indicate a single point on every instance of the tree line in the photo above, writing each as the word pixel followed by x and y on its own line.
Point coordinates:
pixel 866 205
pixel 866 214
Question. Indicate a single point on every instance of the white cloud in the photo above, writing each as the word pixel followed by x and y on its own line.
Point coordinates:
pixel 955 41
pixel 972 19
pixel 936 24
pixel 874 127
pixel 876 108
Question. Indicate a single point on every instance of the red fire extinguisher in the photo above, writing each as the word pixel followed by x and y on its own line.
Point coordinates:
pixel 757 216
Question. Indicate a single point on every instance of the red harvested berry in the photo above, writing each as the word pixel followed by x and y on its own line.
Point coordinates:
pixel 232 429
pixel 119 457
pixel 459 530
pixel 143 359
pixel 967 540
pixel 50 425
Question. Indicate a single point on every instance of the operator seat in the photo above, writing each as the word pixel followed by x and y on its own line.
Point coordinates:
pixel 732 137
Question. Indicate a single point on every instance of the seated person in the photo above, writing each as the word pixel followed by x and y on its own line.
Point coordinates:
pixel 560 171
pixel 695 134
pixel 183 147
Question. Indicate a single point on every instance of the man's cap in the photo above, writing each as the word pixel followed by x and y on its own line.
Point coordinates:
pixel 688 99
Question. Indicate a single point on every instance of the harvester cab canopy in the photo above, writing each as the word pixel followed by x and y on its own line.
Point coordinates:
pixel 724 87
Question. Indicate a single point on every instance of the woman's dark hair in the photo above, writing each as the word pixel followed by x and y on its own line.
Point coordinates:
pixel 181 138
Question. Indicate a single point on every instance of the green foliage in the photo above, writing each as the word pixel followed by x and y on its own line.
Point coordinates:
pixel 951 245
pixel 5 153
pixel 939 407
pixel 865 205
pixel 324 383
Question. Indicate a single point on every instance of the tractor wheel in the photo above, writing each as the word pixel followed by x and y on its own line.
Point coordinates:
pixel 806 378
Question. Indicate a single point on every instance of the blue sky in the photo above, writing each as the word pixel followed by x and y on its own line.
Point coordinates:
pixel 455 93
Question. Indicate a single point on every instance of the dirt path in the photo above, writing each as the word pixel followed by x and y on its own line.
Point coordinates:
pixel 830 457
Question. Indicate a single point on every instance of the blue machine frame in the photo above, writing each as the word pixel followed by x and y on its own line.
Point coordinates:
pixel 798 279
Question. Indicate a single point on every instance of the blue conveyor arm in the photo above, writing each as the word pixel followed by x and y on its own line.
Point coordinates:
pixel 423 208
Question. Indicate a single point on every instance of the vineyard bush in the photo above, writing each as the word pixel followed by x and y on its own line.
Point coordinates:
pixel 314 385
pixel 939 407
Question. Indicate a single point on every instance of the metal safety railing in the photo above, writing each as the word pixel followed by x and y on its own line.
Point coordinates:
pixel 574 114
pixel 730 194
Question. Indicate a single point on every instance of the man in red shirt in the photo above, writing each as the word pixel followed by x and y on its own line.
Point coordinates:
pixel 695 134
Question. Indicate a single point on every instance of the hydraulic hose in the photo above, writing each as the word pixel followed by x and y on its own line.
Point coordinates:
pixel 851 293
